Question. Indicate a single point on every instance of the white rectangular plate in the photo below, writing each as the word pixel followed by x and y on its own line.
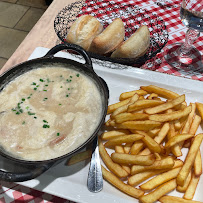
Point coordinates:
pixel 69 182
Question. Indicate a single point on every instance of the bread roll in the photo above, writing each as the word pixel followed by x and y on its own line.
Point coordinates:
pixel 135 46
pixel 84 30
pixel 109 39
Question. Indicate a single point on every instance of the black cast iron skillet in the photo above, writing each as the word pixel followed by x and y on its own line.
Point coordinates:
pixel 38 167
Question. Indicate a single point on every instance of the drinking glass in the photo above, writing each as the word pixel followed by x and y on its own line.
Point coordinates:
pixel 184 55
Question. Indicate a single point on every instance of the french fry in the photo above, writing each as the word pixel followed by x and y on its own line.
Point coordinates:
pixel 133 159
pixel 160 91
pixel 115 168
pixel 162 133
pixel 140 125
pixel 160 179
pixel 113 107
pixel 177 125
pixel 146 151
pixel 127 147
pixel 130 117
pixel 165 106
pixel 113 134
pixel 111 178
pixel 185 186
pixel 180 106
pixel 124 108
pixel 79 157
pixel 200 109
pixel 198 164
pixel 141 97
pixel 152 145
pixel 166 163
pixel 177 139
pixel 178 163
pixel 119 149
pixel 172 199
pixel 157 156
pixel 142 104
pixel 137 147
pixel 154 132
pixel 127 95
pixel 189 120
pixel 152 96
pixel 189 161
pixel 170 116
pixel 123 139
pixel 159 192
pixel 108 122
pixel 158 139
pixel 176 148
pixel 138 178
pixel 193 128
pixel 195 124
pixel 190 192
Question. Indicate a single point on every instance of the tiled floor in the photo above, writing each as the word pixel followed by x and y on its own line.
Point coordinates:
pixel 17 17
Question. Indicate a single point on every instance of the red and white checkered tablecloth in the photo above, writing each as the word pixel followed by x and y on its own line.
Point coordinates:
pixel 168 10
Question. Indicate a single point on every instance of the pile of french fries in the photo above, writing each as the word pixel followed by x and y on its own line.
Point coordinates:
pixel 147 130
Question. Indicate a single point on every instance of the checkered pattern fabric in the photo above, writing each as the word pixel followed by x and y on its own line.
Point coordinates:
pixel 195 5
pixel 168 10
pixel 13 193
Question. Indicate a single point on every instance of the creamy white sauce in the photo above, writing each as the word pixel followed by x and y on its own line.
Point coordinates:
pixel 48 112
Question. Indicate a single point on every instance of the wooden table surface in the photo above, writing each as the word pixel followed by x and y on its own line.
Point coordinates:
pixel 41 35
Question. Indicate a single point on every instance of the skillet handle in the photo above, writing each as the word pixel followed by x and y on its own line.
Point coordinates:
pixel 20 177
pixel 73 47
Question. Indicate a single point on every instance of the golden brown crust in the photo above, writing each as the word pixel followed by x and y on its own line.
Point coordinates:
pixel 135 46
pixel 83 31
pixel 110 38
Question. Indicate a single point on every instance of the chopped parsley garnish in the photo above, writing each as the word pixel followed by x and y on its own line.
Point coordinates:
pixel 45 121
pixel 45 90
pixel 46 126
pixel 29 96
pixel 30 113
pixel 57 134
pixel 78 75
pixel 45 99
pixel 67 95
pixel 71 76
pixel 68 80
pixel 33 83
pixel 23 99
pixel 35 117
pixel 59 104
pixel 41 80
pixel 35 88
